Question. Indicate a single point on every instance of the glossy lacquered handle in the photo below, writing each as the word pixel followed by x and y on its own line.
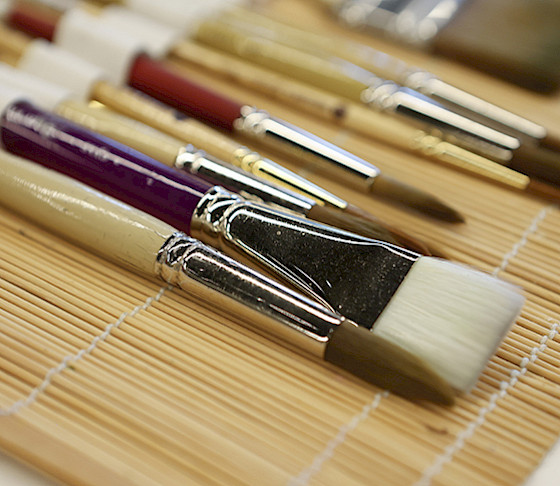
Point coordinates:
pixel 102 163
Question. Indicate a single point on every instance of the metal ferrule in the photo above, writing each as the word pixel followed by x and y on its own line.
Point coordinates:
pixel 266 169
pixel 388 96
pixel 294 141
pixel 415 22
pixel 473 107
pixel 352 275
pixel 270 309
pixel 237 179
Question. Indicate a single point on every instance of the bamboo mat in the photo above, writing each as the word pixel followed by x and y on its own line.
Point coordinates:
pixel 109 378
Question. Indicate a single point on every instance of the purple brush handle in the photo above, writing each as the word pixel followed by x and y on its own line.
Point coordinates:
pixel 102 163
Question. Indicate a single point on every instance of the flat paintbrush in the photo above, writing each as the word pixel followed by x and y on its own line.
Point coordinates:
pixel 172 152
pixel 150 247
pixel 451 316
pixel 87 36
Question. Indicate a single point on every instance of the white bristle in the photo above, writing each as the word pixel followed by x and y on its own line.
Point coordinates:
pixel 451 316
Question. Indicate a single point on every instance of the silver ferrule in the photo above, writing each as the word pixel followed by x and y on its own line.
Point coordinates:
pixel 388 96
pixel 294 141
pixel 236 179
pixel 268 307
pixel 473 107
pixel 266 169
pixel 415 22
pixel 350 274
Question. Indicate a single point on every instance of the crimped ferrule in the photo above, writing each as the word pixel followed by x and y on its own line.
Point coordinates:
pixel 270 308
pixel 321 261
pixel 259 125
pixel 388 96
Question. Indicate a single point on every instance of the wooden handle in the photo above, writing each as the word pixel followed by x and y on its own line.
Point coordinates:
pixel 81 214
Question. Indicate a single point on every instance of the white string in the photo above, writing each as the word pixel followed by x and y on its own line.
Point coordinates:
pixel 47 380
pixel 449 452
pixel 533 227
pixel 303 478
pixel 436 467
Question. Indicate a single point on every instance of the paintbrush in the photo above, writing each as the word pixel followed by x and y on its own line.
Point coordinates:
pixel 356 118
pixel 451 316
pixel 348 80
pixel 354 83
pixel 147 246
pixel 334 211
pixel 513 39
pixel 174 153
pixel 537 162
pixel 389 67
pixel 536 157
pixel 357 84
pixel 125 63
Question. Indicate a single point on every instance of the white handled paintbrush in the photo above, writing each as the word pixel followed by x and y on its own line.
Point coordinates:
pixel 149 246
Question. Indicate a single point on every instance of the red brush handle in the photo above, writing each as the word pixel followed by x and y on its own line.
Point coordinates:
pixel 153 78
pixel 32 20
pixel 147 75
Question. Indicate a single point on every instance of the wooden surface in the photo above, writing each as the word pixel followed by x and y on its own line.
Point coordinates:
pixel 160 389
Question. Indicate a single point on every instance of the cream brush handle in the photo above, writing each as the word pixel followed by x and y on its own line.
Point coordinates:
pixel 380 63
pixel 89 218
pixel 132 133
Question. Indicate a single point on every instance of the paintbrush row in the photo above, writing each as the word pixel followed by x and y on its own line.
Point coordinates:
pixel 18 133
pixel 355 297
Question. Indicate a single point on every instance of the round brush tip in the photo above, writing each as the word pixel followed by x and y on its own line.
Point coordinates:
pixel 417 199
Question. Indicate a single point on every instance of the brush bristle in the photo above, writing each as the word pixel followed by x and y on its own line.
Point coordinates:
pixel 409 196
pixel 451 316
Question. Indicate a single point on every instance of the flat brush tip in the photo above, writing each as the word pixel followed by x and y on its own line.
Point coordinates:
pixel 451 316
pixel 409 196
pixel 378 361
